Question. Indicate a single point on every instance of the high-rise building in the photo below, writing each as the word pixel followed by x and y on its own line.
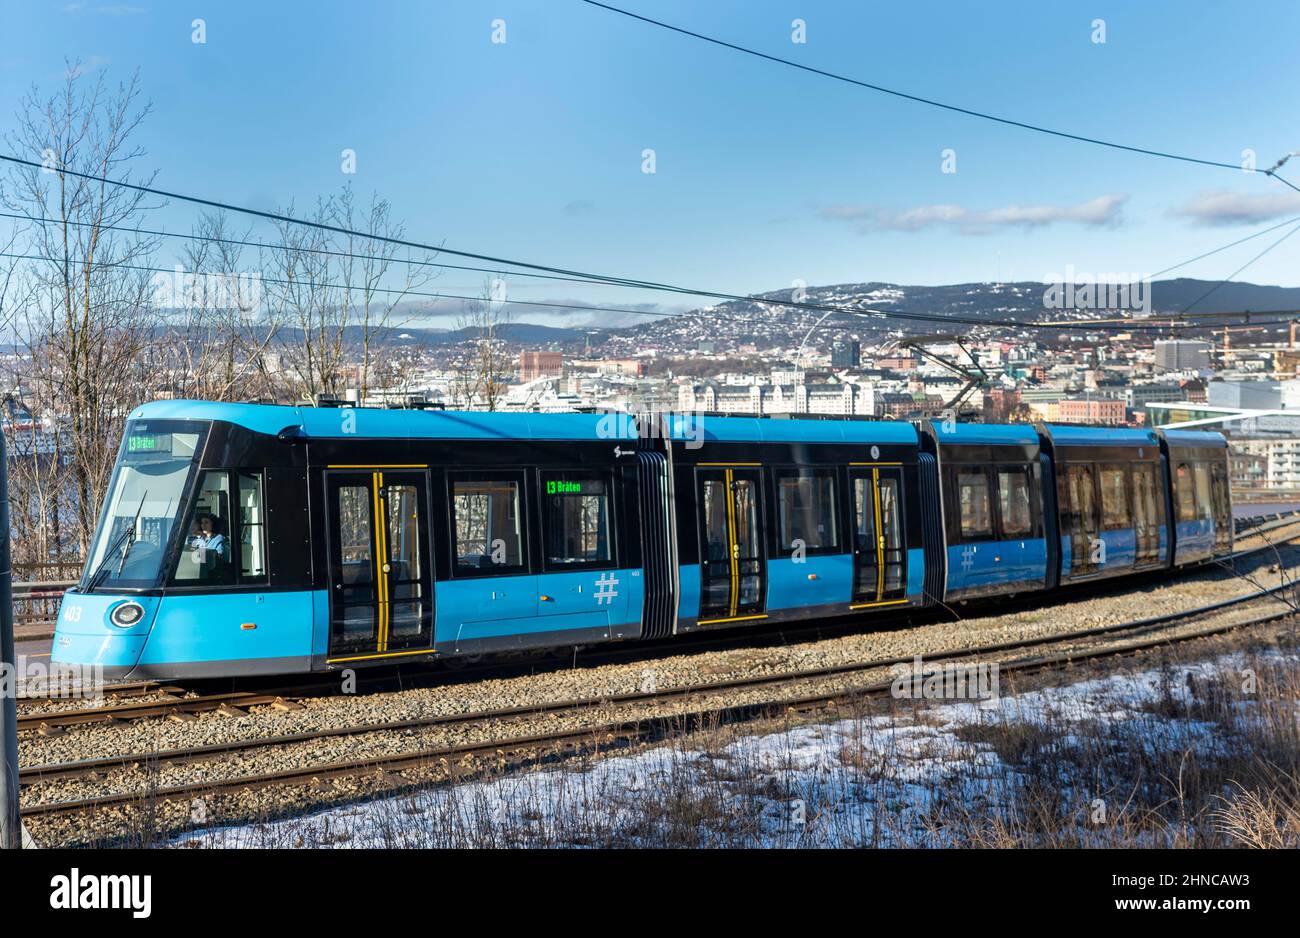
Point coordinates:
pixel 1182 355
pixel 846 354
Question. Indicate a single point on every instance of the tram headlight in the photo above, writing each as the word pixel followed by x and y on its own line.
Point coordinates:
pixel 124 615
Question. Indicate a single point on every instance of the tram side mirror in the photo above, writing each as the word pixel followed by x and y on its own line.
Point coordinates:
pixel 291 434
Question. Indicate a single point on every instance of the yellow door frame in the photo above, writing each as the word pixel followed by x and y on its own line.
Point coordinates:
pixel 733 544
pixel 380 561
pixel 879 600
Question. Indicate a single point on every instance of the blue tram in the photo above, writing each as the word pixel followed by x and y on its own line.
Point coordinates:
pixel 241 539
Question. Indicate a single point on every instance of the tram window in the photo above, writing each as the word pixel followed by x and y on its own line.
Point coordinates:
pixel 1186 493
pixel 715 519
pixel 1147 509
pixel 892 525
pixel 1074 487
pixel 1219 486
pixel 355 555
pixel 1204 505
pixel 403 535
pixel 973 500
pixel 205 554
pixel 1115 513
pixel 577 519
pixel 252 527
pixel 864 513
pixel 1222 504
pixel 806 505
pixel 1013 499
pixel 1085 497
pixel 1065 498
pixel 487 523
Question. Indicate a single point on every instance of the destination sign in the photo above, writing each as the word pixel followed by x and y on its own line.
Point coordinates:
pixel 141 443
pixel 575 487
pixel 148 443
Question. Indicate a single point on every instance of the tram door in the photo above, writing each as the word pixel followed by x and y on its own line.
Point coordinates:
pixel 732 568
pixel 879 556
pixel 1146 513
pixel 1222 503
pixel 1080 524
pixel 381 601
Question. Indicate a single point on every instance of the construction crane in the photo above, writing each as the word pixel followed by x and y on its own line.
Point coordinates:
pixel 1227 337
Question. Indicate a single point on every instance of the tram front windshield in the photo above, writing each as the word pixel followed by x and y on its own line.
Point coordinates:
pixel 152 476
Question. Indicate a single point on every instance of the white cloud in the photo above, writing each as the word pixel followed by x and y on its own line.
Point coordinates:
pixel 1220 207
pixel 579 208
pixel 119 9
pixel 1103 211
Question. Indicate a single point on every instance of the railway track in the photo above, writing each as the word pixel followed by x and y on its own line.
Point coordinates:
pixel 166 701
pixel 165 705
pixel 530 747
pixel 114 691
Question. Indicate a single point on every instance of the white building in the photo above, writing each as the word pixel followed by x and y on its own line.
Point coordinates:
pixel 1281 459
pixel 842 399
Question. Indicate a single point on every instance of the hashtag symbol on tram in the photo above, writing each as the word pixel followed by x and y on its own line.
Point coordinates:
pixel 605 592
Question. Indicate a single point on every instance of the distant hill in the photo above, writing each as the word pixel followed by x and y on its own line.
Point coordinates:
pixel 738 322
pixel 1176 294
pixel 524 333
pixel 753 320
pixel 1024 299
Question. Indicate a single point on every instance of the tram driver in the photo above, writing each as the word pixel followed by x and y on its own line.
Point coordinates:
pixel 208 547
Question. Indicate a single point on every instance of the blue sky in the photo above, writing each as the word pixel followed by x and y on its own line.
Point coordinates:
pixel 532 148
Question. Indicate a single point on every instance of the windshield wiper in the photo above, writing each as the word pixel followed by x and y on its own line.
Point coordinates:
pixel 129 537
pixel 126 549
pixel 103 564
